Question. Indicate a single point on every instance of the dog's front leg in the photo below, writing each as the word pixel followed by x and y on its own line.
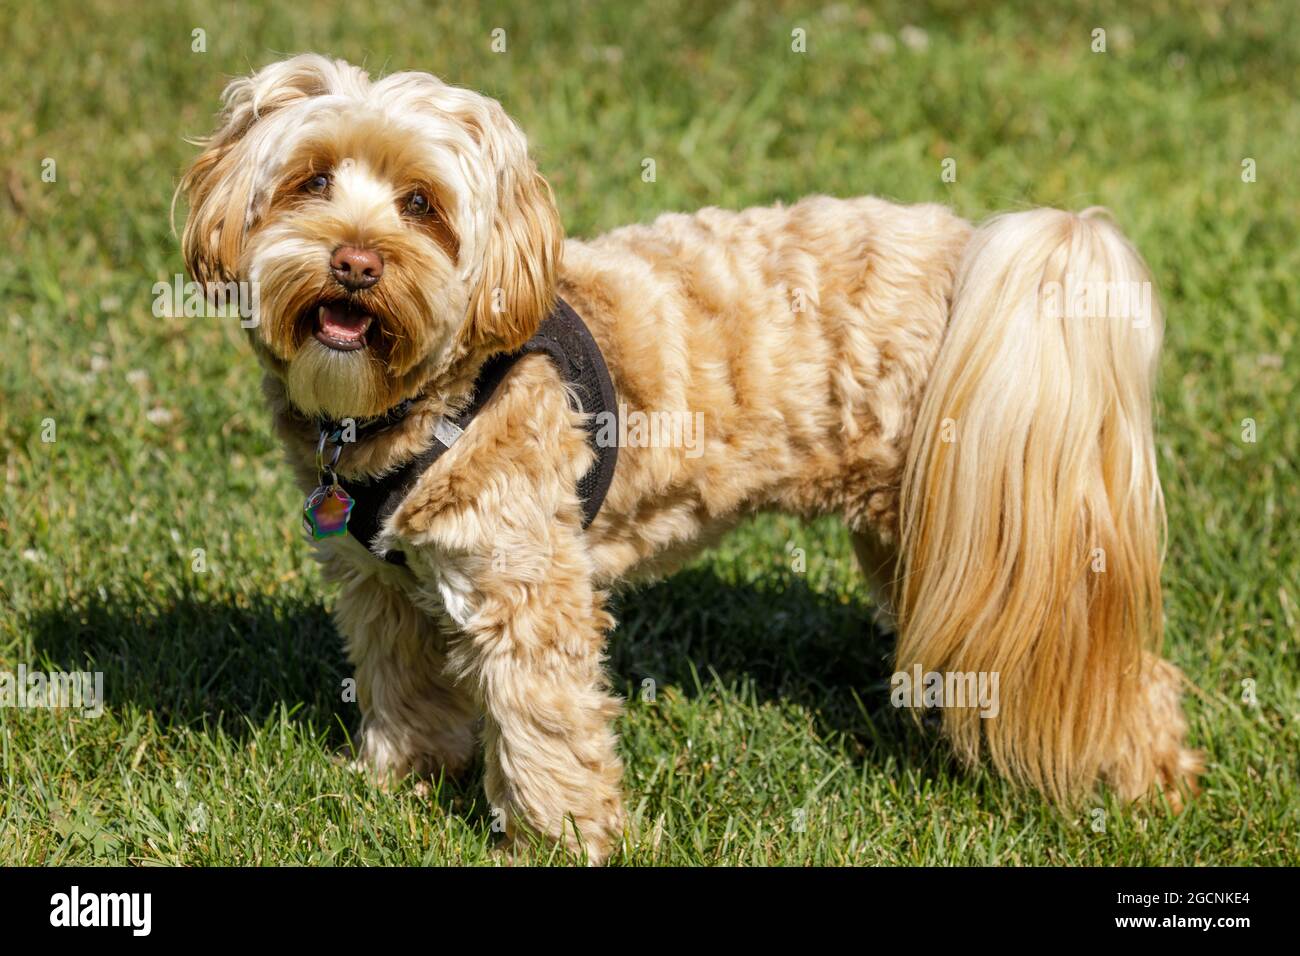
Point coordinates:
pixel 496 529
pixel 532 652
pixel 414 719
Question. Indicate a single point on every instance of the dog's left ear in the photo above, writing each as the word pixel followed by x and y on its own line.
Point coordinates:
pixel 220 184
pixel 516 288
pixel 217 192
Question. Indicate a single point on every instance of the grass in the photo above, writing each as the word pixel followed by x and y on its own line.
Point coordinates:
pixel 224 730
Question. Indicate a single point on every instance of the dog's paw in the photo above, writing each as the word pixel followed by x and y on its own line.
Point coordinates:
pixel 385 759
pixel 1178 774
pixel 1155 761
pixel 377 777
pixel 590 841
pixel 520 850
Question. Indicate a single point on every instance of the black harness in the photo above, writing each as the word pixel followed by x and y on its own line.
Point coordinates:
pixel 565 338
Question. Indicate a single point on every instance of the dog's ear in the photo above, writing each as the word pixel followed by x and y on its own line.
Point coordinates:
pixel 220 185
pixel 516 287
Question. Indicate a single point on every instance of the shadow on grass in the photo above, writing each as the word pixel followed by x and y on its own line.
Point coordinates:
pixel 233 663
pixel 778 640
pixel 226 662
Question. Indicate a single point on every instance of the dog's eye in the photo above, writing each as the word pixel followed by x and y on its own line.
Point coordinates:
pixel 317 184
pixel 417 204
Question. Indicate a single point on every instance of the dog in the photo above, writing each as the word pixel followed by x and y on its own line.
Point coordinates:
pixel 988 443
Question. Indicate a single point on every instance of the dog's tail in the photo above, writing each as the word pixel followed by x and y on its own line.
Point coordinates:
pixel 1032 520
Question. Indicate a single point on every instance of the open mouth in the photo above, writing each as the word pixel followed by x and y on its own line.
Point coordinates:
pixel 342 326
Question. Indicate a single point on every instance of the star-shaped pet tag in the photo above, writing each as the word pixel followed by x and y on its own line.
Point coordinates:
pixel 325 514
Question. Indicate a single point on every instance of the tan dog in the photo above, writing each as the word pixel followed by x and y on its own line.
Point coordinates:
pixel 987 441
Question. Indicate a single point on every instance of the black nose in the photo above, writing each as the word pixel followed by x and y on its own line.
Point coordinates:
pixel 355 268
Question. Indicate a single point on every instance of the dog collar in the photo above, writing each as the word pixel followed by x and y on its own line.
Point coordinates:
pixel 360 507
pixel 335 428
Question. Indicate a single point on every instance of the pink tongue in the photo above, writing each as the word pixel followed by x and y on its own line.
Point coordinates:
pixel 339 322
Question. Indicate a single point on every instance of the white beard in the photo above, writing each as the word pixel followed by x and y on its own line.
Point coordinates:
pixel 326 381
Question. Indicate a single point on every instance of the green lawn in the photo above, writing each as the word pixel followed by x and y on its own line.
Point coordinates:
pixel 770 738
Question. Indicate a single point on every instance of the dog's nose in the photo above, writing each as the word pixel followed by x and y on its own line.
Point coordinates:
pixel 356 268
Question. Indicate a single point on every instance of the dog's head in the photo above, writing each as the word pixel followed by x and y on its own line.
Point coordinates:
pixel 387 226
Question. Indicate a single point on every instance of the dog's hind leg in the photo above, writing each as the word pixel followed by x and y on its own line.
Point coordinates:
pixel 413 718
pixel 1150 756
pixel 878 561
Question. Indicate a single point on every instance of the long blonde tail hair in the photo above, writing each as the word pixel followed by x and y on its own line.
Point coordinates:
pixel 1032 520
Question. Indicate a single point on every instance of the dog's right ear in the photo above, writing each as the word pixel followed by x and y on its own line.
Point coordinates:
pixel 221 185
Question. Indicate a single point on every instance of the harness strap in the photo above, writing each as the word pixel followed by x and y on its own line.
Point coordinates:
pixel 565 338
